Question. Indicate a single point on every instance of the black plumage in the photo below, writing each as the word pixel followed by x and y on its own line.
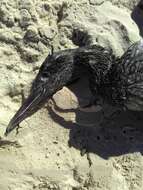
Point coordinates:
pixel 130 77
pixel 119 81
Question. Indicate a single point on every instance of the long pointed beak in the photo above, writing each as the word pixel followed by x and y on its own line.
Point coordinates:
pixel 30 106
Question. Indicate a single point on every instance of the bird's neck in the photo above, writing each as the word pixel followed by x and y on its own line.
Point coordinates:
pixel 96 59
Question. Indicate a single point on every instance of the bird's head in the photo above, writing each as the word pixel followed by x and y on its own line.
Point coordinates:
pixel 54 73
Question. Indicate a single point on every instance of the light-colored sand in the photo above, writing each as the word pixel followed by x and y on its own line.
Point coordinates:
pixel 51 152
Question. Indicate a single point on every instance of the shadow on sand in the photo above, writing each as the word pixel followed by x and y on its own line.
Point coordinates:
pixel 118 134
pixel 6 143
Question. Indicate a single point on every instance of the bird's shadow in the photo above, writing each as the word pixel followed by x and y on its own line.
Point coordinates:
pixel 7 143
pixel 137 16
pixel 116 135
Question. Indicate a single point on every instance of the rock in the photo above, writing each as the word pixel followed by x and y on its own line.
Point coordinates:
pixel 32 34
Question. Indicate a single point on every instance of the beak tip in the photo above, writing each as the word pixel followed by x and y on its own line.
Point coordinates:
pixel 6 133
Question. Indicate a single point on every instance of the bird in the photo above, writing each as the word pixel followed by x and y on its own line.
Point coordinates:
pixel 112 79
pixel 60 69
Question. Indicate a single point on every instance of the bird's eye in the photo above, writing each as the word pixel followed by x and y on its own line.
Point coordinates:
pixel 60 59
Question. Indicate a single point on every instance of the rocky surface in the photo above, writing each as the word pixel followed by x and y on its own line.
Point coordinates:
pixel 61 147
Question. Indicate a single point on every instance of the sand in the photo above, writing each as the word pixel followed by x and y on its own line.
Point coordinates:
pixel 65 148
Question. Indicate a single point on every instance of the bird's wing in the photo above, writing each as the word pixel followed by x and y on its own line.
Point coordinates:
pixel 131 68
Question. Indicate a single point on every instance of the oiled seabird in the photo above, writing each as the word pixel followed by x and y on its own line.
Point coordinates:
pixel 118 81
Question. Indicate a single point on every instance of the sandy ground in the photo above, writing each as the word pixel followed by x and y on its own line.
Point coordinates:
pixel 51 151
